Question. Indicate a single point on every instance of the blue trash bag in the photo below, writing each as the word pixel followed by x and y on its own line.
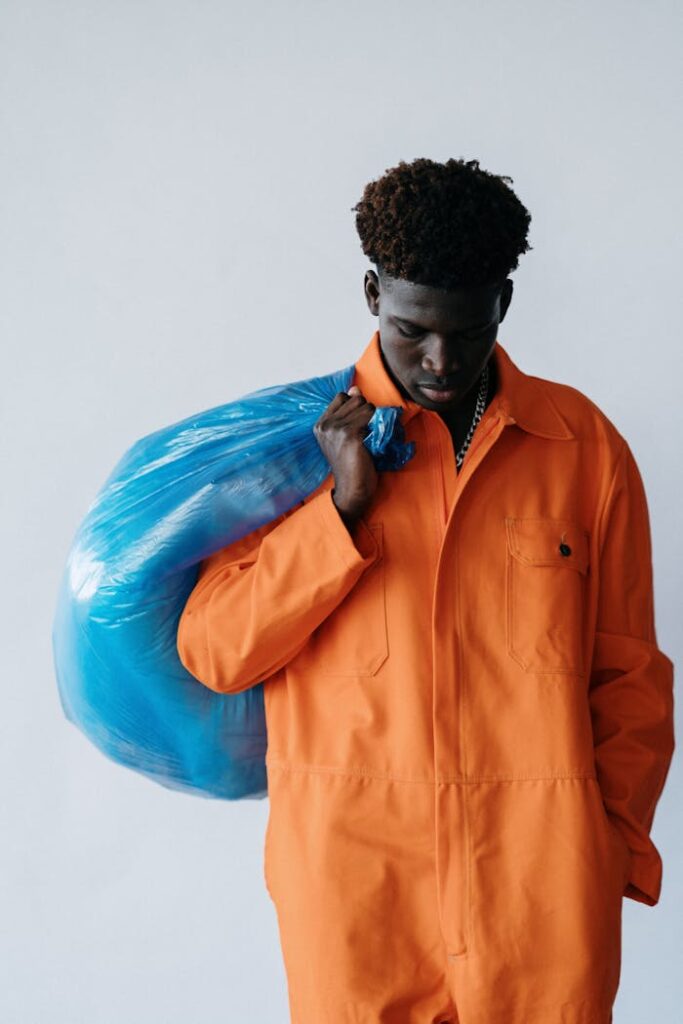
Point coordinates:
pixel 175 497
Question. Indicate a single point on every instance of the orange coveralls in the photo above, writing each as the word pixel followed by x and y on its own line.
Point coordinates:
pixel 469 719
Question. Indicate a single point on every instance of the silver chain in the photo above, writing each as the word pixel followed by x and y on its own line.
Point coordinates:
pixel 478 413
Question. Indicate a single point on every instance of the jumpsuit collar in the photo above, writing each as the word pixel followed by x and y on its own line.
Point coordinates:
pixel 520 396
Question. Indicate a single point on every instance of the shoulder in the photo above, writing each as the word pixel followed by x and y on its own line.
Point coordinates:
pixel 587 420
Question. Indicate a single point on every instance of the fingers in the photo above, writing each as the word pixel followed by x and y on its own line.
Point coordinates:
pixel 354 398
pixel 349 408
pixel 356 408
pixel 342 397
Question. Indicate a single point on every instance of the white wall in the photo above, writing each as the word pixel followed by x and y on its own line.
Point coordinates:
pixel 176 185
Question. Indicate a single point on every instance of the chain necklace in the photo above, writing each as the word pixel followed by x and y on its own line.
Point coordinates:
pixel 478 413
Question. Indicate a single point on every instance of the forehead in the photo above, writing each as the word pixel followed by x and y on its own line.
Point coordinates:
pixel 422 303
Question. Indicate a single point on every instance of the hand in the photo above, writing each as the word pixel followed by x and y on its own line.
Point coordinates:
pixel 340 432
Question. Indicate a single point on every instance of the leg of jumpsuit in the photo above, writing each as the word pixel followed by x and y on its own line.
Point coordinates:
pixel 360 940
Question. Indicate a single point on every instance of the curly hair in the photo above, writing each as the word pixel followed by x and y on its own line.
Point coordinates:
pixel 447 225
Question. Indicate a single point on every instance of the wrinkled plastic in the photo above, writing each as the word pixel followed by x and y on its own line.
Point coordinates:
pixel 175 497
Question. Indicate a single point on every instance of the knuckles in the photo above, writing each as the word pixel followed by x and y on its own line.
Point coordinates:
pixel 327 421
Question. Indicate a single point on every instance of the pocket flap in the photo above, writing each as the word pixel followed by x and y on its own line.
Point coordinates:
pixel 542 541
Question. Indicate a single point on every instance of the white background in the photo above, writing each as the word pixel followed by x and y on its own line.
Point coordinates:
pixel 176 193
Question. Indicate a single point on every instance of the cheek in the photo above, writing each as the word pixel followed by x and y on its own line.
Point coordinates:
pixel 396 356
pixel 407 366
pixel 402 365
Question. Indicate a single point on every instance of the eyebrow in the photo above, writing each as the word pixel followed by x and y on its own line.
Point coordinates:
pixel 411 323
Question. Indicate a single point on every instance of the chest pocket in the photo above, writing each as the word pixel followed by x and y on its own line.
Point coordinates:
pixel 547 564
pixel 353 639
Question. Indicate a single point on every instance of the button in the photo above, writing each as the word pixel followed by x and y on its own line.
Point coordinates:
pixel 565 549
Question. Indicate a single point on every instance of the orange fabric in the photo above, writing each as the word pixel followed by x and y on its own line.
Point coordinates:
pixel 468 726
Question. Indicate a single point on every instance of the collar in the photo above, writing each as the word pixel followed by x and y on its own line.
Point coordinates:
pixel 520 396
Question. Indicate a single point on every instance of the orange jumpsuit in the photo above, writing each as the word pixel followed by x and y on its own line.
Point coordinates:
pixel 469 719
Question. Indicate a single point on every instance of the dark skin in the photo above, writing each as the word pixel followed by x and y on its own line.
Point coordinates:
pixel 428 336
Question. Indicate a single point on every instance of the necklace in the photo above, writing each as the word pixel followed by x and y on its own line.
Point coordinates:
pixel 478 413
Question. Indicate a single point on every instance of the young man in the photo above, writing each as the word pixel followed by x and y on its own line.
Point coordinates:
pixel 469 719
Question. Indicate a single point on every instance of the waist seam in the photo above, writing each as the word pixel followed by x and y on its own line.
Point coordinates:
pixel 455 779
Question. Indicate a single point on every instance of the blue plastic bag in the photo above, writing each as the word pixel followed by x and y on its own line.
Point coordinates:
pixel 178 495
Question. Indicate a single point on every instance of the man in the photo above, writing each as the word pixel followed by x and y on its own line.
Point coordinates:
pixel 469 719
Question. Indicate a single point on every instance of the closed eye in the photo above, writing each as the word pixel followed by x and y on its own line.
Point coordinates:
pixel 477 333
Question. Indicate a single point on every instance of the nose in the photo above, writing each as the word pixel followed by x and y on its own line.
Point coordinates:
pixel 438 361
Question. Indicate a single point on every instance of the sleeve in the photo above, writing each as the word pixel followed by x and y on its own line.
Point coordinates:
pixel 631 683
pixel 256 602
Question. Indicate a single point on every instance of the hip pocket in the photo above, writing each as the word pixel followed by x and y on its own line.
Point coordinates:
pixel 547 564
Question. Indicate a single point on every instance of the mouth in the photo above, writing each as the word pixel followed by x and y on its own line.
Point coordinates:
pixel 438 394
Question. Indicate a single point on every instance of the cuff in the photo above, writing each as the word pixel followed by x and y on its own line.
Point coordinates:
pixel 358 546
pixel 645 880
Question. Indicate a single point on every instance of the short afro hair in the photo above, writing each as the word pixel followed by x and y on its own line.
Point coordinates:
pixel 448 225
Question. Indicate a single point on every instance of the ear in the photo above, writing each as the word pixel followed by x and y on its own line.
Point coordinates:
pixel 371 288
pixel 505 298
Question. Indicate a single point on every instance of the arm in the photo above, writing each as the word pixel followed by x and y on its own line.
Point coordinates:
pixel 257 601
pixel 631 684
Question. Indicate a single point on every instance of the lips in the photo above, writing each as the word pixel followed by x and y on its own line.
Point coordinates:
pixel 438 394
